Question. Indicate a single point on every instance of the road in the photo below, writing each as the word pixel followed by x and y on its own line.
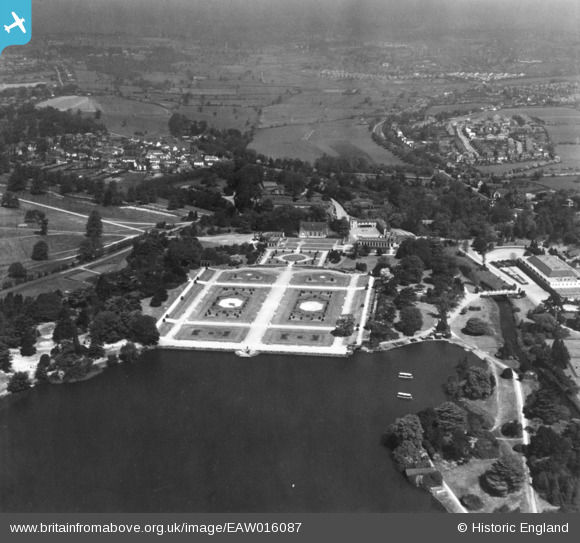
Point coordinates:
pixel 339 210
pixel 49 278
pixel 104 221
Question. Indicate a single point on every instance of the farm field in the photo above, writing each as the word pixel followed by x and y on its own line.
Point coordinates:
pixel 126 117
pixel 565 133
pixel 433 110
pixel 119 115
pixel 548 114
pixel 222 117
pixel 570 155
pixel 85 103
pixel 568 182
pixel 308 142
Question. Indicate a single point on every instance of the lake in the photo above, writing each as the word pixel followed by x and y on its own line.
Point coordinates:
pixel 190 431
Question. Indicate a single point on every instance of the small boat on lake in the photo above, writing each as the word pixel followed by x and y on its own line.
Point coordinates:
pixel 404 396
pixel 405 375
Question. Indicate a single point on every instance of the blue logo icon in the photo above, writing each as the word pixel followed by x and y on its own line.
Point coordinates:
pixel 15 22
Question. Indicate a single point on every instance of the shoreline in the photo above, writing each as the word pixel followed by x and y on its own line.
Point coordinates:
pixel 444 496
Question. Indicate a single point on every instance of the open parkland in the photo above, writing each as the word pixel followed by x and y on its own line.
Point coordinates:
pixel 289 304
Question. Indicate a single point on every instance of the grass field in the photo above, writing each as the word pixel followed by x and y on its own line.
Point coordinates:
pixel 347 138
pixel 65 233
pixel 85 103
pixel 464 108
pixel 570 155
pixel 122 215
pixel 569 182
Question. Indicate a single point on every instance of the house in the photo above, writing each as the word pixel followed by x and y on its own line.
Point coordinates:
pixel 272 239
pixel 310 229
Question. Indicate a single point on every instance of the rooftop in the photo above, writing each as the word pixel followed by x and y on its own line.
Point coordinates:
pixel 313 226
pixel 552 266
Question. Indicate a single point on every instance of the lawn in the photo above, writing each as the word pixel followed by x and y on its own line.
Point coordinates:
pixel 464 480
pixel 489 313
pixel 290 303
pixel 209 307
pixel 290 336
pixel 122 215
pixel 19 249
pixel 191 332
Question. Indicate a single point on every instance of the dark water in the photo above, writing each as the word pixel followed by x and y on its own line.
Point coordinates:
pixel 190 431
pixel 509 330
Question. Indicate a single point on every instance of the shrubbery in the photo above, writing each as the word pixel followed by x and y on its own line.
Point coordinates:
pixel 471 502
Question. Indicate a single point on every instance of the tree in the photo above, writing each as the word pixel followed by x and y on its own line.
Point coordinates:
pixel 410 270
pixel 5 359
pixel 107 327
pixel 507 373
pixel 340 226
pixel 89 249
pixel 407 428
pixel 112 360
pixel 129 352
pixel 451 417
pixel 480 246
pixel 143 329
pixel 512 429
pixel 65 327
pixel 38 186
pixel 43 224
pixel 17 271
pixel 408 455
pixel 41 373
pixel 40 250
pixel 405 297
pixel 28 341
pixel 559 354
pixel 476 327
pixel 19 382
pixel 472 502
pixel 17 179
pixel 9 199
pixel 478 383
pixel 505 476
pixel 545 404
pixel 47 306
pixel 334 256
pixel 94 226
pixel 344 326
pixel 96 350
pixel 410 320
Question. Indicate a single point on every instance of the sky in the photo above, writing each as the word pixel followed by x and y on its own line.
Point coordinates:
pixel 358 17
